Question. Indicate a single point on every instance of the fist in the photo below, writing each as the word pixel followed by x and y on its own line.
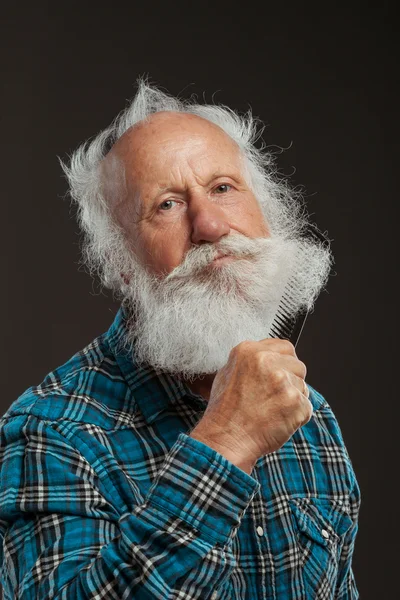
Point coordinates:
pixel 257 401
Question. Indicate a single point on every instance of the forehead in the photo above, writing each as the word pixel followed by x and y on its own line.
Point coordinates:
pixel 167 141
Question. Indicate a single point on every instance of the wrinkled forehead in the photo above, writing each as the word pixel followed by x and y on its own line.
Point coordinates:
pixel 148 154
pixel 150 140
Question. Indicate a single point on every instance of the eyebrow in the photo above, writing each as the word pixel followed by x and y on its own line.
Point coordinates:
pixel 215 175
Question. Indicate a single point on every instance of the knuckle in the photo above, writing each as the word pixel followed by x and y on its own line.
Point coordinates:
pixel 287 347
pixel 261 359
pixel 303 368
pixel 308 412
pixel 291 408
pixel 310 408
pixel 278 378
pixel 293 399
pixel 243 347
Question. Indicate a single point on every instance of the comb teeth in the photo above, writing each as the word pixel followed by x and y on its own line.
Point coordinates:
pixel 285 326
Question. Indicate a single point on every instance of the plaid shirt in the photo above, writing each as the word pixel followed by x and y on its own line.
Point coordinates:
pixel 104 495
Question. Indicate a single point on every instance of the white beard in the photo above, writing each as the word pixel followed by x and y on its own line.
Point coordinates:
pixel 188 322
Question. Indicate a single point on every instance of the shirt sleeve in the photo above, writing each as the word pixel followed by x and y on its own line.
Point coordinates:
pixel 66 536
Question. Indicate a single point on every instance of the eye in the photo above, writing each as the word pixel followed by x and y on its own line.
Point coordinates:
pixel 222 188
pixel 165 205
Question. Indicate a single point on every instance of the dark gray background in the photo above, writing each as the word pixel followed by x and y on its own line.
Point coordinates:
pixel 324 82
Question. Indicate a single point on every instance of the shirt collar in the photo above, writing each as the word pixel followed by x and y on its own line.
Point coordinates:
pixel 154 390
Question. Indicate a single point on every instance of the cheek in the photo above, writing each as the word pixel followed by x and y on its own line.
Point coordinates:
pixel 264 228
pixel 162 252
pixel 259 222
pixel 252 220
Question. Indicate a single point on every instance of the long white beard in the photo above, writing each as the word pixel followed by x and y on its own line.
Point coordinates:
pixel 188 322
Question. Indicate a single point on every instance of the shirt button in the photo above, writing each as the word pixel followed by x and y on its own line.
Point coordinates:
pixel 260 531
pixel 325 534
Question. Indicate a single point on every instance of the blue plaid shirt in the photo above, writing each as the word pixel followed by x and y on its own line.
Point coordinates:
pixel 103 494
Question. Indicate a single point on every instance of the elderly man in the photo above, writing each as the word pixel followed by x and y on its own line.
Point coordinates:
pixel 181 454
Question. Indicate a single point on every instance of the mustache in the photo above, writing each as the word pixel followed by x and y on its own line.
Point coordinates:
pixel 199 257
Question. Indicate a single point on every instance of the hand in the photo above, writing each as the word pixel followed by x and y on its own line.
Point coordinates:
pixel 257 401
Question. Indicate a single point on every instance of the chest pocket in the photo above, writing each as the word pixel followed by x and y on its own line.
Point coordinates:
pixel 320 527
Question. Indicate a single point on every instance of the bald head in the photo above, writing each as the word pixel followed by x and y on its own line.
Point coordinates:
pixel 162 127
pixel 152 142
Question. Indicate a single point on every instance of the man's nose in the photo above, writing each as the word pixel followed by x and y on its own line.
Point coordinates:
pixel 209 221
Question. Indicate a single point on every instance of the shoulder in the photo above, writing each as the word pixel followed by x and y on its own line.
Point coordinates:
pixel 324 416
pixel 316 398
pixel 324 436
pixel 49 455
pixel 324 422
pixel 89 388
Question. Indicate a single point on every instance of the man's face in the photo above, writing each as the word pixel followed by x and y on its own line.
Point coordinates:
pixel 185 201
pixel 185 187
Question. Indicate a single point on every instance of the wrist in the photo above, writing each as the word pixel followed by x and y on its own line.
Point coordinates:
pixel 224 446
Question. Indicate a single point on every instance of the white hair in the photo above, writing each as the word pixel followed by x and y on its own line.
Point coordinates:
pixel 105 251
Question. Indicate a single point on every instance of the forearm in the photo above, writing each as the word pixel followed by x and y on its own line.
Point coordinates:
pixel 181 533
pixel 148 562
pixel 240 461
pixel 227 440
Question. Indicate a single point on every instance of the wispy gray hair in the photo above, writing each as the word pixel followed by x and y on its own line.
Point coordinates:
pixel 105 251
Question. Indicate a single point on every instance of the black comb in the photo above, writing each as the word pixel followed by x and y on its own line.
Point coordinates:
pixel 284 326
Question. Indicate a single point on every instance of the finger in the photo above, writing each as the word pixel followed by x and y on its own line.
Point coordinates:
pixel 289 363
pixel 278 345
pixel 306 406
pixel 300 384
pixel 306 391
pixel 307 410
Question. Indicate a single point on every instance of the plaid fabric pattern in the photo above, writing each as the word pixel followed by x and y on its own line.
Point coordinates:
pixel 103 494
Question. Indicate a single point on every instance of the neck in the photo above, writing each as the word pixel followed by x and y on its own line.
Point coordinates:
pixel 202 385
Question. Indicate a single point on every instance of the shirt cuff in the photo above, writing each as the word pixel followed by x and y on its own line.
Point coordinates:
pixel 203 488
